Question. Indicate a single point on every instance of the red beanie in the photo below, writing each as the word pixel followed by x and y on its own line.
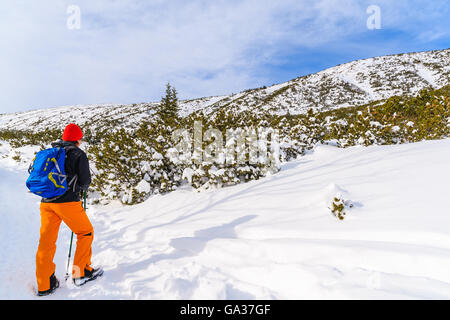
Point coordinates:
pixel 72 133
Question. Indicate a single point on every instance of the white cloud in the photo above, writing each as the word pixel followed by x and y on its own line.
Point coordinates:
pixel 126 50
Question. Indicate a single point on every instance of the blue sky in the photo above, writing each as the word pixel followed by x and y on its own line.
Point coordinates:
pixel 125 51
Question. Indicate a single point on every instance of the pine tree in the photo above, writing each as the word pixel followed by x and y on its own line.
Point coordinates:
pixel 168 107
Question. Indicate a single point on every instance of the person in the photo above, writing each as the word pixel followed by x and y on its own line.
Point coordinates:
pixel 67 208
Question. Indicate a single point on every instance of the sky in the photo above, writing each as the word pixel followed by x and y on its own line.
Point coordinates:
pixel 60 53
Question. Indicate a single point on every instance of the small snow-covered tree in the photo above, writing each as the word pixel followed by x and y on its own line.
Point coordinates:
pixel 168 107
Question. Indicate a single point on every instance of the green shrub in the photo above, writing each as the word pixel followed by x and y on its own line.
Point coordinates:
pixel 131 162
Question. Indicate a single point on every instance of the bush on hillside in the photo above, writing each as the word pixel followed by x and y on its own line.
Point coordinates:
pixel 136 162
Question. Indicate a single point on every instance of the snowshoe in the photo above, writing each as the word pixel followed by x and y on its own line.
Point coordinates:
pixel 89 275
pixel 54 284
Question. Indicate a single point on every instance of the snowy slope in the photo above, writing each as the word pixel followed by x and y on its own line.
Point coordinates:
pixel 354 83
pixel 269 239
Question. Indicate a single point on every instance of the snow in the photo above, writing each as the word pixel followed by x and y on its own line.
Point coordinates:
pixel 143 186
pixel 274 238
pixel 426 74
pixel 187 174
pixel 350 84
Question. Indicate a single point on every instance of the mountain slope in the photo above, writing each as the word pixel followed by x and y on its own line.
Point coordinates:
pixel 269 239
pixel 355 83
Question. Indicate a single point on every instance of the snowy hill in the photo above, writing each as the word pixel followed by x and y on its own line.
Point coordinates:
pixel 350 84
pixel 269 239
pixel 274 236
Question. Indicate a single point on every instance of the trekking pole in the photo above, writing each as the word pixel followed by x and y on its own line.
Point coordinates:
pixel 68 258
pixel 71 240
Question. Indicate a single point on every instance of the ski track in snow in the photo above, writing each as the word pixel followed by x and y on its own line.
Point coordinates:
pixel 267 239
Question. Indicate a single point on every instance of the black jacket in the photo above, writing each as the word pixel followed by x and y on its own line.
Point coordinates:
pixel 76 166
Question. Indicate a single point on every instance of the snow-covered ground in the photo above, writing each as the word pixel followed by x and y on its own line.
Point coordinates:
pixel 269 239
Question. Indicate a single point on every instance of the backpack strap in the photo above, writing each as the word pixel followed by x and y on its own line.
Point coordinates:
pixel 74 181
pixel 53 199
pixel 30 168
pixel 75 177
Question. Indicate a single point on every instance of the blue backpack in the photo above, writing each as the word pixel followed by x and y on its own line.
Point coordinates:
pixel 48 178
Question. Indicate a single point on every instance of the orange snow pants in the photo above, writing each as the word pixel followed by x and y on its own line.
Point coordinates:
pixel 74 216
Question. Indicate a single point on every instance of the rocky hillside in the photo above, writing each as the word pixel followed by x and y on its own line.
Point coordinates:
pixel 351 84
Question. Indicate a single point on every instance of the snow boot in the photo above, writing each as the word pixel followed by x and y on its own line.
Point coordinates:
pixel 89 275
pixel 54 284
